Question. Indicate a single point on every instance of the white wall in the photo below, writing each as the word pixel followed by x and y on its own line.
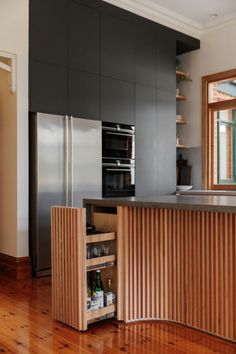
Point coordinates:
pixel 8 166
pixel 217 53
pixel 14 39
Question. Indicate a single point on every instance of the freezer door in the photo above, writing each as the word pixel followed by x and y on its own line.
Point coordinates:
pixel 51 156
pixel 86 160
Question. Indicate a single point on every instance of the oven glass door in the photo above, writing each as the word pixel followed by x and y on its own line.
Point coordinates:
pixel 118 182
pixel 117 145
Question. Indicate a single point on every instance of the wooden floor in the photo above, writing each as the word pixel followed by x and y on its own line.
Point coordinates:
pixel 26 326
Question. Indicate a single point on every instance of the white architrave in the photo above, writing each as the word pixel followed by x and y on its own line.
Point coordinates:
pixel 10 68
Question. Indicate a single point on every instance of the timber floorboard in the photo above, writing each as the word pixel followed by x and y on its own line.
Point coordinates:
pixel 26 327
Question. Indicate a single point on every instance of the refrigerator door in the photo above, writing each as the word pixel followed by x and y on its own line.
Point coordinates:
pixel 50 182
pixel 85 161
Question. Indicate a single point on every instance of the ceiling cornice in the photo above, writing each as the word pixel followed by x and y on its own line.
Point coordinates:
pixel 220 23
pixel 162 15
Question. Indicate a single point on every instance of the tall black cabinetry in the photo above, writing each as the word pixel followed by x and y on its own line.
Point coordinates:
pixel 93 60
pixel 83 61
pixel 48 56
pixel 64 58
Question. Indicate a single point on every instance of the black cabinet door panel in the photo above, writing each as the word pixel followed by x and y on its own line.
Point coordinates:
pixel 48 88
pixel 166 63
pixel 83 94
pixel 117 101
pixel 117 48
pixel 166 142
pixel 48 31
pixel 146 57
pixel 145 140
pixel 83 37
pixel 91 3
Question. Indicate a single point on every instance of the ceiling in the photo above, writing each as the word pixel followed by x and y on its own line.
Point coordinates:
pixel 199 10
pixel 193 17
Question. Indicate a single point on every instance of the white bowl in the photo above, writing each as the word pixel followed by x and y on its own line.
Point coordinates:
pixel 183 188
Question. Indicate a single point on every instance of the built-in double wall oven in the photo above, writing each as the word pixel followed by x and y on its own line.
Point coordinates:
pixel 118 160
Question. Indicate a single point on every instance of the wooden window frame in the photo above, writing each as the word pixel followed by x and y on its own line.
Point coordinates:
pixel 208 132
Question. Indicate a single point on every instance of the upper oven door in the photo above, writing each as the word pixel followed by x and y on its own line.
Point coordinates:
pixel 117 144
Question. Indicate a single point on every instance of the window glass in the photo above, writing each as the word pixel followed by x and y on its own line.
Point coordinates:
pixel 225 146
pixel 222 90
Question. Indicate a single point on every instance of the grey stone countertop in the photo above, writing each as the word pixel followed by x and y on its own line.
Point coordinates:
pixel 184 202
pixel 207 192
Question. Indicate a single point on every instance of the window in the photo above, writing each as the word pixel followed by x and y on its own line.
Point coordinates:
pixel 219 130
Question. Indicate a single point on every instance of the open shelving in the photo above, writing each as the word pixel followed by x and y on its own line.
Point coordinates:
pixel 107 223
pixel 179 97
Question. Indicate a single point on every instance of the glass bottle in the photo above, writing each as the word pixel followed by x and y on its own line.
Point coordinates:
pixel 99 289
pixel 109 284
pixel 99 285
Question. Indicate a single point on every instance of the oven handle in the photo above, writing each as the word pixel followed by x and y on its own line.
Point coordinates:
pixel 106 164
pixel 118 169
pixel 115 130
pixel 122 134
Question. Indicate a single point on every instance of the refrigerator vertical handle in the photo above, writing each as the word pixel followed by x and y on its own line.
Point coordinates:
pixel 67 159
pixel 71 161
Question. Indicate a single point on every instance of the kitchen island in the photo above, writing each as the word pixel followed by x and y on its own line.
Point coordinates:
pixel 175 259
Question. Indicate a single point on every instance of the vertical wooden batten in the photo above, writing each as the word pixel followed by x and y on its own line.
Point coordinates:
pixel 178 265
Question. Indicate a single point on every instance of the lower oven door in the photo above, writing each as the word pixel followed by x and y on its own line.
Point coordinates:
pixel 118 182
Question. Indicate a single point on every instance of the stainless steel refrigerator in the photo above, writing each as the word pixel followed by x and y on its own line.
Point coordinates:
pixel 65 167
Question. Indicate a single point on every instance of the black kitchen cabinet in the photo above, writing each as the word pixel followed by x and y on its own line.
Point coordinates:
pixel 48 31
pixel 166 62
pixel 166 142
pixel 90 3
pixel 83 38
pixel 117 101
pixel 83 94
pixel 48 88
pixel 117 48
pixel 145 141
pixel 146 56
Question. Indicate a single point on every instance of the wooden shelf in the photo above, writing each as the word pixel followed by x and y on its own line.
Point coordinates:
pixel 100 260
pixel 181 73
pixel 100 267
pixel 92 315
pixel 181 98
pixel 181 121
pixel 108 236
pixel 181 146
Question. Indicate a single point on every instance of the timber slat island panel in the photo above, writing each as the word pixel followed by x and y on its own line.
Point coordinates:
pixel 179 266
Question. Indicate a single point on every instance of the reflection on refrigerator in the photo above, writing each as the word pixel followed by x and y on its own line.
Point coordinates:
pixel 65 167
